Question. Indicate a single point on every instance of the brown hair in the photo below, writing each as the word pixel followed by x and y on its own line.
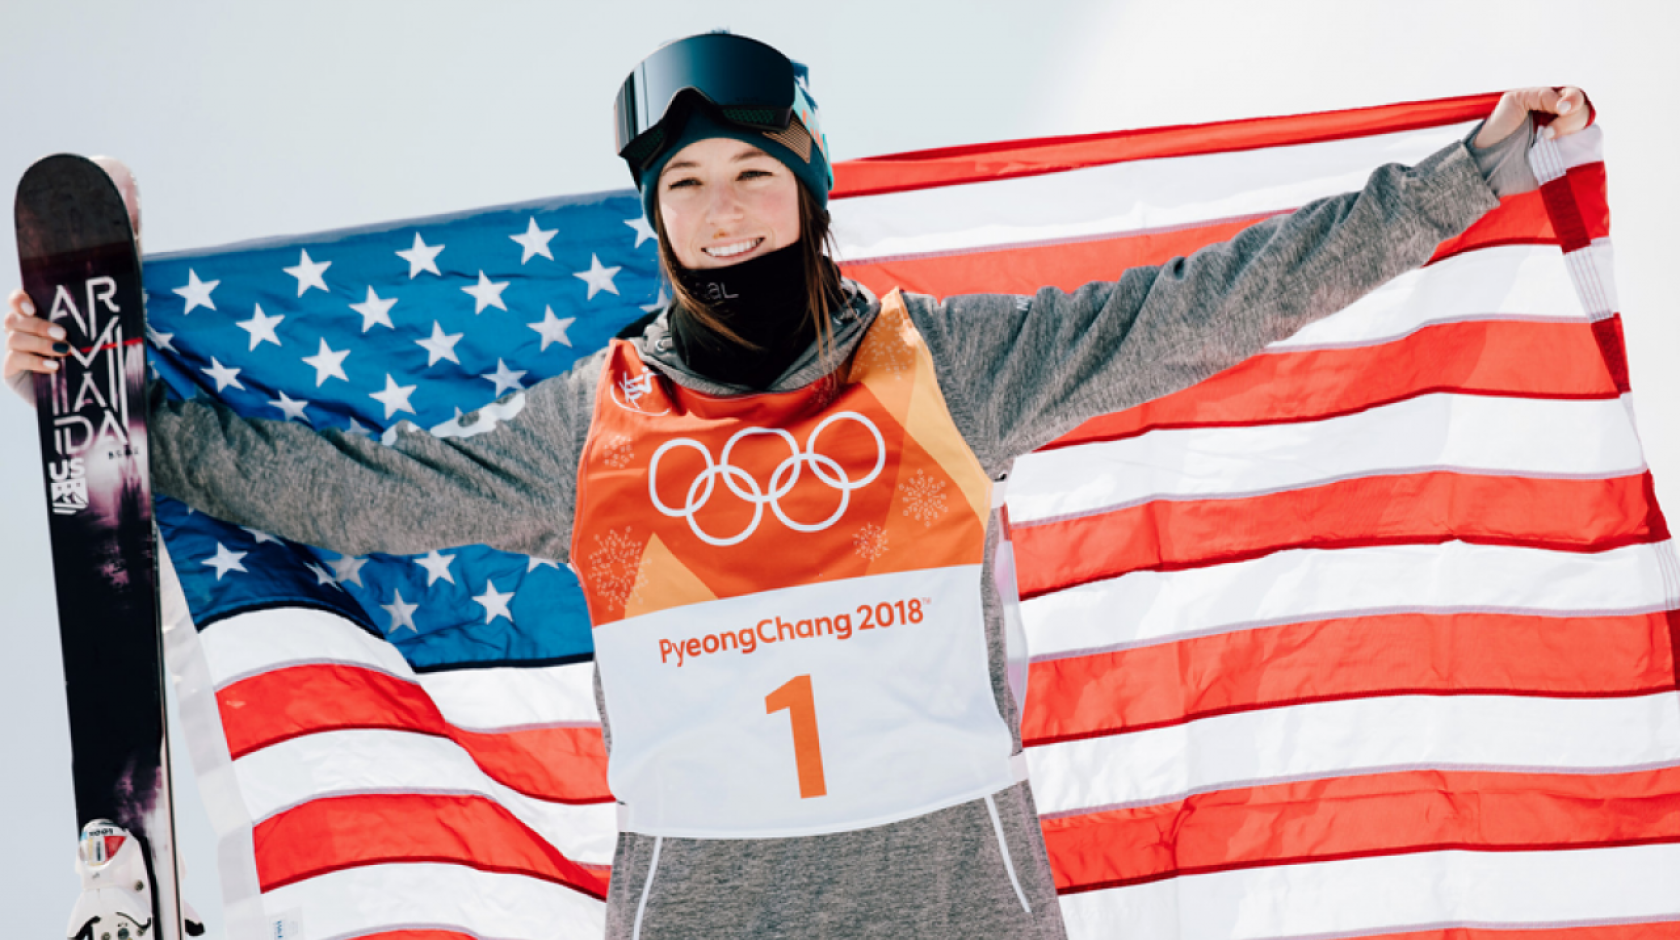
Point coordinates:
pixel 822 278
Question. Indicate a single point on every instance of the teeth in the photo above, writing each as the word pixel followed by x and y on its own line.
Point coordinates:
pixel 730 251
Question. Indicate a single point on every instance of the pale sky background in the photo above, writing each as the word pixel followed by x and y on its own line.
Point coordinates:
pixel 248 120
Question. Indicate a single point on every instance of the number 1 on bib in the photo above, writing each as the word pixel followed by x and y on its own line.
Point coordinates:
pixel 795 696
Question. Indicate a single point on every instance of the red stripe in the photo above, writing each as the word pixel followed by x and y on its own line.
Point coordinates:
pixel 416 935
pixel 1023 269
pixel 1068 264
pixel 1664 930
pixel 1489 357
pixel 1399 509
pixel 1519 220
pixel 1577 205
pixel 946 166
pixel 1172 683
pixel 341 832
pixel 565 765
pixel 1361 817
pixel 1608 334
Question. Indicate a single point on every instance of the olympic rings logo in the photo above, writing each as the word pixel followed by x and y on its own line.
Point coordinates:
pixel 782 481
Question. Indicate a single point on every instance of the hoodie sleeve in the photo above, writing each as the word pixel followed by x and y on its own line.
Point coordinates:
pixel 1019 371
pixel 504 476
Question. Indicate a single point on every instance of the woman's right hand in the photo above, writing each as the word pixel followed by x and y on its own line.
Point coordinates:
pixel 32 345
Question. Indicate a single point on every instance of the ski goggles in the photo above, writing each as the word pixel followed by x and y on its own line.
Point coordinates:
pixel 747 82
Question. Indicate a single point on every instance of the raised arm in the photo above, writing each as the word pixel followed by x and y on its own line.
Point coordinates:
pixel 506 478
pixel 1020 371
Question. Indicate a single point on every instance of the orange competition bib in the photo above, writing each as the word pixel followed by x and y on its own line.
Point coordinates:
pixel 785 591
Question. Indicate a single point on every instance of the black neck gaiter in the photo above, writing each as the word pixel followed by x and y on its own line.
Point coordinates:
pixel 763 301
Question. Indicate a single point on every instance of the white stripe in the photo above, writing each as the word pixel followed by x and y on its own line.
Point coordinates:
pixel 1148 607
pixel 1582 148
pixel 1356 736
pixel 1552 158
pixel 1593 270
pixel 254 642
pixel 1473 434
pixel 1546 161
pixel 1508 282
pixel 501 698
pixel 359 901
pixel 201 724
pixel 1120 198
pixel 513 697
pixel 1394 894
pixel 284 775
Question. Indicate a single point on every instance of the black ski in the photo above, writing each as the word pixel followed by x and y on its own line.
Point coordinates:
pixel 82 271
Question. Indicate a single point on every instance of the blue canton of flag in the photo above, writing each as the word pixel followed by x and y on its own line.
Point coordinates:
pixel 421 321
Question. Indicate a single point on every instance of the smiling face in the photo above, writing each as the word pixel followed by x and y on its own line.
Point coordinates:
pixel 725 201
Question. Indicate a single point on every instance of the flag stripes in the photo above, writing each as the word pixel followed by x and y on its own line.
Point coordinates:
pixel 1407 509
pixel 371 762
pixel 451 899
pixel 564 764
pixel 332 833
pixel 1350 657
pixel 1363 816
pixel 1396 586
pixel 1427 894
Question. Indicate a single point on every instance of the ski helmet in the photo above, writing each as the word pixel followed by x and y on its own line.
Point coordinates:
pixel 719 85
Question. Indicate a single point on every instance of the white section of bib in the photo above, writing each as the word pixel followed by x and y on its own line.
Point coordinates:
pixel 906 720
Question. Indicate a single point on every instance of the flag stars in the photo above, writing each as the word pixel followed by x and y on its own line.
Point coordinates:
pixel 440 345
pixel 260 535
pixel 322 575
pixel 422 257
pixel 197 292
pixel 348 568
pixel 487 293
pixel 261 327
pixel 394 397
pixel 226 560
pixel 643 230
pixel 225 376
pixel 402 614
pixel 375 309
pixel 532 563
pixel 506 379
pixel 437 567
pixel 535 241
pixel 292 408
pixel 308 273
pixel 161 340
pixel 597 277
pixel 658 302
pixel 552 329
pixel 495 604
pixel 328 364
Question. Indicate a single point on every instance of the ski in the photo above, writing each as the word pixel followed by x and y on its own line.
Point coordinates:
pixel 81 268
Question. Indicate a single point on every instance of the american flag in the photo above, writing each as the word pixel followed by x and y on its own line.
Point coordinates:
pixel 1371 635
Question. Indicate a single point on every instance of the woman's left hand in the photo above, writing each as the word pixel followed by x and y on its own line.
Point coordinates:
pixel 1568 103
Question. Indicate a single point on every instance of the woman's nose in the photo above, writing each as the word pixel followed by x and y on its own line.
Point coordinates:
pixel 724 204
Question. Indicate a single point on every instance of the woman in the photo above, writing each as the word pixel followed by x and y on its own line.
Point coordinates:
pixel 777 495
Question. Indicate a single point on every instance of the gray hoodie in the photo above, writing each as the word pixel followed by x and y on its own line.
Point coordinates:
pixel 1015 372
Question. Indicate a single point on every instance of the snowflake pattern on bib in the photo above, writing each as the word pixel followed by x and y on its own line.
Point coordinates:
pixel 616 565
pixel 616 451
pixel 884 349
pixel 924 498
pixel 870 542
